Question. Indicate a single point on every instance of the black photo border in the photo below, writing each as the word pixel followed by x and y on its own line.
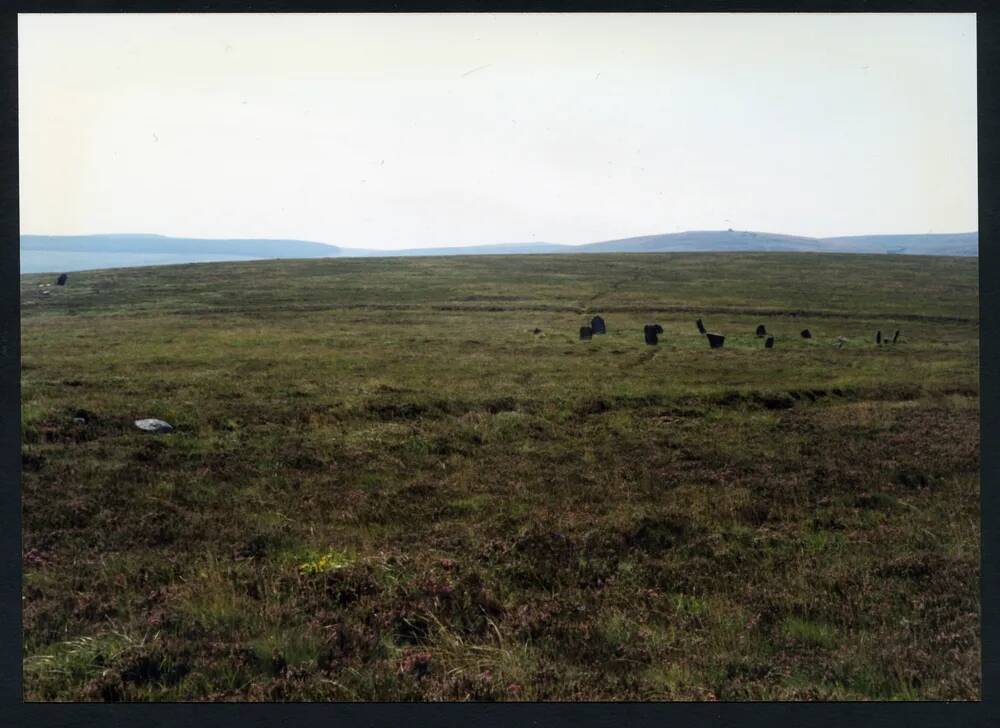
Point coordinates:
pixel 14 712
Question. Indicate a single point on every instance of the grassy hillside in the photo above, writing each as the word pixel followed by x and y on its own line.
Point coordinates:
pixel 383 486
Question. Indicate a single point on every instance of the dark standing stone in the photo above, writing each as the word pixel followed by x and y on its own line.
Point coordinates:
pixel 769 342
pixel 895 336
pixel 597 325
pixel 586 333
pixel 701 326
pixel 537 331
pixel 650 331
pixel 761 331
pixel 806 334
pixel 878 337
pixel 716 340
pixel 61 280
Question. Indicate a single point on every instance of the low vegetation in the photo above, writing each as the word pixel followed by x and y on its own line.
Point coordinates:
pixel 382 485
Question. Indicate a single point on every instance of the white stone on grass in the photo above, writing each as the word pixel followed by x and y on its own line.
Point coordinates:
pixel 153 425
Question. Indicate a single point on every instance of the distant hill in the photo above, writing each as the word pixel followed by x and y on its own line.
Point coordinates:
pixel 706 241
pixel 943 244
pixel 67 253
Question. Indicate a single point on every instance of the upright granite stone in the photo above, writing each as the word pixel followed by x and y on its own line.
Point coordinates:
pixel 878 337
pixel 715 340
pixel 597 325
pixel 61 280
pixel 761 331
pixel 650 331
pixel 769 342
pixel 586 333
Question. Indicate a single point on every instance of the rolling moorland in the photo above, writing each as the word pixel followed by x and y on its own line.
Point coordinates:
pixel 382 485
pixel 63 253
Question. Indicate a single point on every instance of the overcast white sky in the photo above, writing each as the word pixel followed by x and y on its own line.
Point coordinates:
pixel 390 131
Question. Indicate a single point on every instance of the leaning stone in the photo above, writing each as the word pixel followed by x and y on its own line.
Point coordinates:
pixel 895 336
pixel 761 331
pixel 806 334
pixel 153 425
pixel 769 342
pixel 586 333
pixel 597 325
pixel 716 340
pixel 701 326
pixel 878 337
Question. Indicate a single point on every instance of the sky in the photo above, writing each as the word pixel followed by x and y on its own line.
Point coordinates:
pixel 394 131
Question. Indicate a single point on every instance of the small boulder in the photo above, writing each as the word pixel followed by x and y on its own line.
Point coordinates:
pixel 153 425
pixel 716 340
pixel 537 331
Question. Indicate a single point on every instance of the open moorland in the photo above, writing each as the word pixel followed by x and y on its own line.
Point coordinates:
pixel 383 485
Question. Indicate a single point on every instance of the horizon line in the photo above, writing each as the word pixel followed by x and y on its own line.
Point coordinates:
pixel 468 245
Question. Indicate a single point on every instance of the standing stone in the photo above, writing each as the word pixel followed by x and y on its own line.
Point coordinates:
pixel 701 326
pixel 597 325
pixel 806 334
pixel 61 280
pixel 895 336
pixel 650 331
pixel 586 333
pixel 878 337
pixel 761 331
pixel 537 331
pixel 769 342
pixel 716 340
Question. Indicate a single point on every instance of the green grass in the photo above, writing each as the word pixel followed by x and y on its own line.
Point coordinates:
pixel 383 486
